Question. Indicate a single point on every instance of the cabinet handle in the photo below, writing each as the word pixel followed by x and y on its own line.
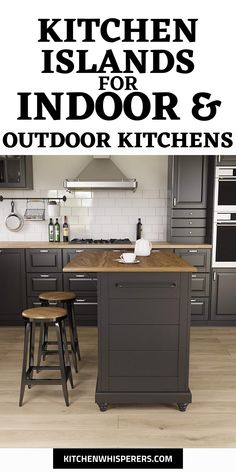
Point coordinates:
pixel 37 303
pixel 193 250
pixel 218 159
pixel 174 201
pixel 214 276
pixel 190 232
pixel 190 222
pixel 194 276
pixel 85 279
pixel 118 285
pixel 44 275
pixel 79 250
pixel 79 276
pixel 190 213
pixel 43 250
pixel 85 303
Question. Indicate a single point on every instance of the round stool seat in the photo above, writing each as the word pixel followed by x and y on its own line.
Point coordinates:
pixel 57 296
pixel 45 313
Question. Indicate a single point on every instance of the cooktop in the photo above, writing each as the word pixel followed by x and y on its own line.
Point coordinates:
pixel 100 241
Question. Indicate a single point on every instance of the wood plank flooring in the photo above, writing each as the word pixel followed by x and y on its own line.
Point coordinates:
pixel 45 421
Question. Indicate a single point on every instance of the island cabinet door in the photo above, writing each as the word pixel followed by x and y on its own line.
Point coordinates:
pixel 143 332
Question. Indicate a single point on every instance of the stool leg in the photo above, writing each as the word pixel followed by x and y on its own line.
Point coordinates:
pixel 75 331
pixel 62 361
pixel 41 332
pixel 24 362
pixel 31 351
pixel 72 335
pixel 65 345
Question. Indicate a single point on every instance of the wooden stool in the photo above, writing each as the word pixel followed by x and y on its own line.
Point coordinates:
pixel 56 317
pixel 67 298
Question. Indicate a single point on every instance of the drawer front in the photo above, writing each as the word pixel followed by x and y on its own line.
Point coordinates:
pixel 140 312
pixel 38 260
pixel 80 282
pixel 34 302
pixel 144 285
pixel 37 283
pixel 132 337
pixel 199 258
pixel 200 285
pixel 189 213
pixel 199 309
pixel 135 364
pixel 190 232
pixel 69 254
pixel 188 223
pixel 85 305
pixel 188 239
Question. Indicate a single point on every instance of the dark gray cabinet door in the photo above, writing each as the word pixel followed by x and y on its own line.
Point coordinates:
pixel 226 160
pixel 224 294
pixel 12 285
pixel 189 180
pixel 16 172
pixel 48 260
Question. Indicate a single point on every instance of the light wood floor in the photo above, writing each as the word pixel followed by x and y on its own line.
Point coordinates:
pixel 45 421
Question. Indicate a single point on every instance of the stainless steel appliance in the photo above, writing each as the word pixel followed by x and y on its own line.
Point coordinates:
pixel 225 189
pixel 224 240
pixel 224 217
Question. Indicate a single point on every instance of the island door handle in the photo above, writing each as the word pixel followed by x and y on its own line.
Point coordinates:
pixel 119 285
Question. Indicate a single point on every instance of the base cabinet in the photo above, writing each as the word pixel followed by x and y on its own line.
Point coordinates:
pixel 143 338
pixel 12 286
pixel 223 297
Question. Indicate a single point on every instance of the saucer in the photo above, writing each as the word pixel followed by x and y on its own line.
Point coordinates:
pixel 123 262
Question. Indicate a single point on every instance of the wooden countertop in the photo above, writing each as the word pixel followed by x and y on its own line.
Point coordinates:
pixel 104 261
pixel 47 245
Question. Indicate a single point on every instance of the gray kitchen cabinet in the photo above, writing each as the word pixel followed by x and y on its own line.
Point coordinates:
pixel 190 192
pixel 85 287
pixel 43 273
pixel 223 296
pixel 12 286
pixel 225 160
pixel 188 181
pixel 200 284
pixel 16 172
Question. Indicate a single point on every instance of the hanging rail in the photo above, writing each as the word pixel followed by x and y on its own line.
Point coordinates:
pixel 33 198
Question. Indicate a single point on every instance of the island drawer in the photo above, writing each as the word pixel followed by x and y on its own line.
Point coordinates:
pixel 80 282
pixel 140 312
pixel 144 285
pixel 200 258
pixel 135 364
pixel 37 283
pixel 134 337
pixel 39 260
pixel 200 285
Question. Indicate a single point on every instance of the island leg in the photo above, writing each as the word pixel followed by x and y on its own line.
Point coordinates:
pixel 103 406
pixel 182 406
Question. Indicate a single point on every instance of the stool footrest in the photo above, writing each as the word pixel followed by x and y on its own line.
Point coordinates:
pixel 30 381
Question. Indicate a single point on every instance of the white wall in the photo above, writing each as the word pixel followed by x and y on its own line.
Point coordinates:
pixel 97 214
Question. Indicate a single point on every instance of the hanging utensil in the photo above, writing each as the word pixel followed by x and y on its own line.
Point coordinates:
pixel 13 221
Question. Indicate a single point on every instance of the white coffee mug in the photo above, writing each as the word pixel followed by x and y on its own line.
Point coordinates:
pixel 128 257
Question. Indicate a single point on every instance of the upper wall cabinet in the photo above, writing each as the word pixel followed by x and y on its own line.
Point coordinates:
pixel 226 160
pixel 16 172
pixel 188 181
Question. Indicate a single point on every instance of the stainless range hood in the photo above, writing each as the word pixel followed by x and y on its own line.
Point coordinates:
pixel 101 173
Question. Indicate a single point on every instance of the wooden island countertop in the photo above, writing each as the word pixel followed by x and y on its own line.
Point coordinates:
pixel 106 261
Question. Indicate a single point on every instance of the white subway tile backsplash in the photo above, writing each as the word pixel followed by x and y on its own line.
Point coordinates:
pixel 94 214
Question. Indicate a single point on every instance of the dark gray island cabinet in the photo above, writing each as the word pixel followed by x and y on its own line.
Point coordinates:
pixel 143 328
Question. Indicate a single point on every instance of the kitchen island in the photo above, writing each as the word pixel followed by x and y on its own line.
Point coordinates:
pixel 143 327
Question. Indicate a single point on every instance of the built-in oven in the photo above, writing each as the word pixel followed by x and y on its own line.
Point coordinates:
pixel 224 240
pixel 225 189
